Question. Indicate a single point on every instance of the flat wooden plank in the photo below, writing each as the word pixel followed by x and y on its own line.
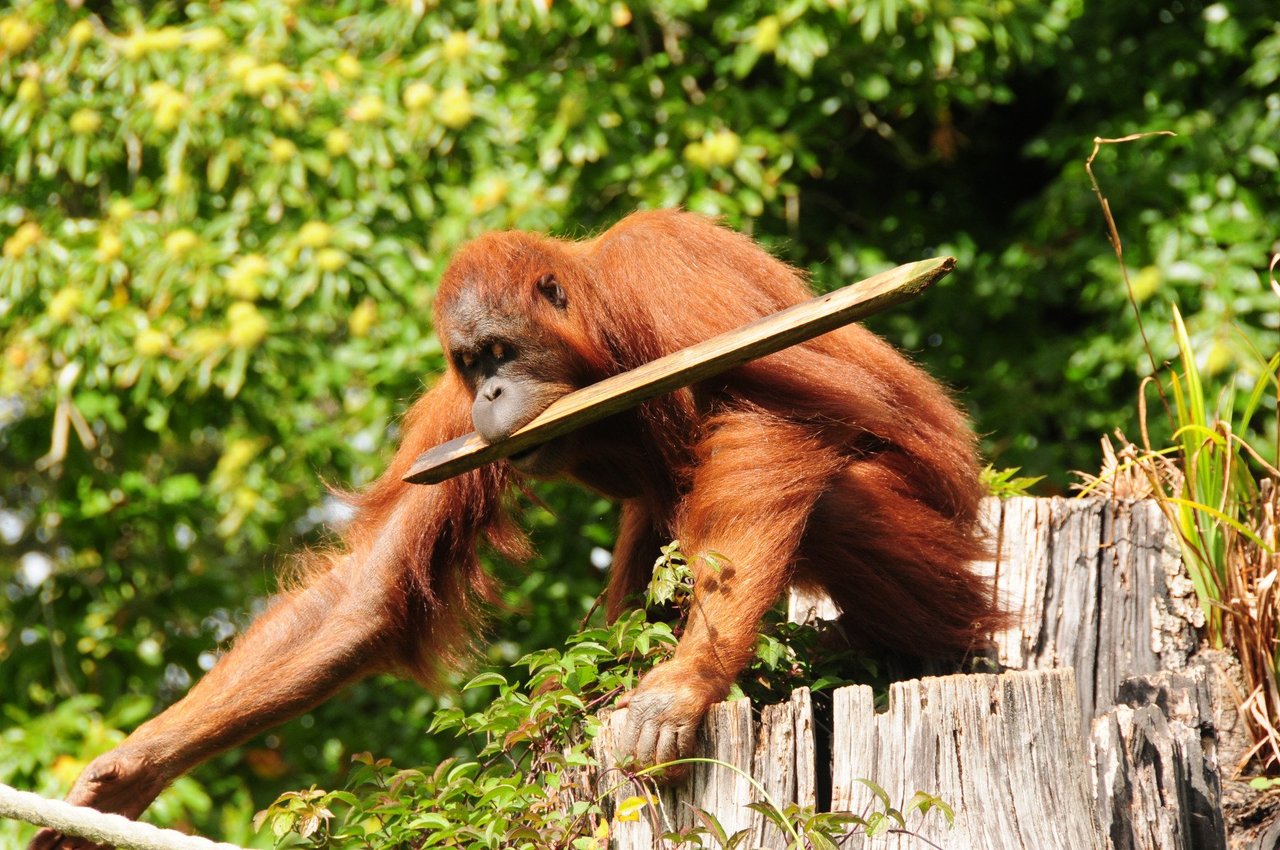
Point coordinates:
pixel 696 363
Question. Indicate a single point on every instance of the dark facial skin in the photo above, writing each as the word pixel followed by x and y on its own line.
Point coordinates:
pixel 514 367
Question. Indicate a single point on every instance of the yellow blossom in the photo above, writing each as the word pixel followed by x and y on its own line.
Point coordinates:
pixel 151 342
pixel 768 33
pixel 242 282
pixel 64 304
pixel 22 240
pixel 120 209
pixel 362 318
pixel 206 340
pixel 166 38
pixel 167 104
pixel 179 243
pixel 368 108
pixel 455 107
pixel 315 234
pixel 16 33
pixel 696 154
pixel 456 46
pixel 80 32
pixel 418 96
pixel 330 259
pixel 337 142
pixel 206 39
pixel 620 15
pixel 348 66
pixel 246 327
pixel 29 90
pixel 265 77
pixel 282 150
pixel 235 457
pixel 85 122
pixel 109 247
pixel 240 65
pixel 723 147
pixel 142 42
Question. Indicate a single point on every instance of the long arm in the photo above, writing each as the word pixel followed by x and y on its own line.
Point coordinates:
pixel 392 598
pixel 306 647
pixel 757 480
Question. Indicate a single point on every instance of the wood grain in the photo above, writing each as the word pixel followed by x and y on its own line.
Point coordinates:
pixel 764 336
pixel 1004 751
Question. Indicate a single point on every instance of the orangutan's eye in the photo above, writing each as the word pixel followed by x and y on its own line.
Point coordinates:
pixel 498 351
pixel 467 360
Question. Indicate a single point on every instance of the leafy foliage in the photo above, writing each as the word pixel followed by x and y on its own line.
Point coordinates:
pixel 530 784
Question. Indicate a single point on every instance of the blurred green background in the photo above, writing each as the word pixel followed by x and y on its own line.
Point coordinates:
pixel 222 224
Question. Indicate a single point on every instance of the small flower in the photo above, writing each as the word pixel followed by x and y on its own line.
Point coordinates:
pixel 85 122
pixel 282 150
pixel 120 209
pixel 64 304
pixel 363 317
pixel 206 39
pixel 418 96
pixel 330 259
pixel 456 46
pixel 29 90
pixel 367 109
pixel 767 35
pixel 723 147
pixel 16 33
pixel 455 107
pixel 110 247
pixel 23 239
pixel 180 243
pixel 80 33
pixel 265 78
pixel 167 104
pixel 151 342
pixel 246 327
pixel 206 340
pixel 348 66
pixel 315 234
pixel 337 142
pixel 242 282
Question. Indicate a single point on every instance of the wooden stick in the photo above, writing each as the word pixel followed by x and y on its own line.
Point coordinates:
pixel 766 335
pixel 99 827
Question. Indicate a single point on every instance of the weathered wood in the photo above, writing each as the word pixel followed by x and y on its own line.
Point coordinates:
pixel 783 763
pixel 1100 588
pixel 99 827
pixel 778 753
pixel 1004 751
pixel 1155 765
pixel 764 336
pixel 1097 585
pixel 726 736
